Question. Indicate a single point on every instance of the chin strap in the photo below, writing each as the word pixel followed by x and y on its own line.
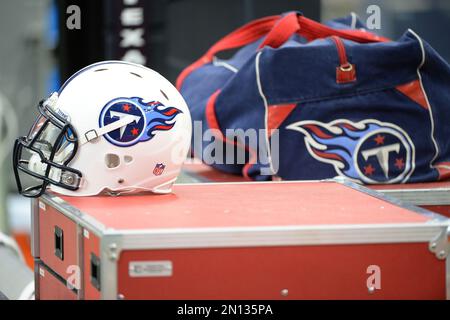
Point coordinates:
pixel 95 133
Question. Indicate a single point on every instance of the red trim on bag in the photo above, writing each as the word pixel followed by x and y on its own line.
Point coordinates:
pixel 281 31
pixel 346 72
pixel 413 90
pixel 277 114
pixel 252 31
pixel 211 120
pixel 242 36
pixel 316 30
pixel 341 50
pixel 444 170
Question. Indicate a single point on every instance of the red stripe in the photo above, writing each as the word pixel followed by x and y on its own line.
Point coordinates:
pixel 318 132
pixel 277 114
pixel 170 112
pixel 413 90
pixel 163 127
pixel 331 156
pixel 444 170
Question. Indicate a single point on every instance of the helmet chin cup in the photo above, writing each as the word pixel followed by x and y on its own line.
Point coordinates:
pixel 113 126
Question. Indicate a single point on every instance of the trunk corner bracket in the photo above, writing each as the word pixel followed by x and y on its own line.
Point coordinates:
pixel 440 245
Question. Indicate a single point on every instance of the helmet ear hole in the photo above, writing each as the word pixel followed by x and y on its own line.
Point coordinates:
pixel 128 159
pixel 112 160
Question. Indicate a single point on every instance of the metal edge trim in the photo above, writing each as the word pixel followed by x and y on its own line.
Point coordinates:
pixel 37 285
pixel 80 261
pixel 439 196
pixel 254 182
pixel 109 245
pixel 273 236
pixel 84 220
pixel 35 252
pixel 393 200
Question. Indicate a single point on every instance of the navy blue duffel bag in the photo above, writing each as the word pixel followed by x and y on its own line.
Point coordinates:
pixel 330 101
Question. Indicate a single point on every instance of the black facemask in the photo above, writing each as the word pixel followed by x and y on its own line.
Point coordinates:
pixel 41 157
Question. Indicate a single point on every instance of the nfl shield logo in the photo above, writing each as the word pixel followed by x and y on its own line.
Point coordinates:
pixel 159 169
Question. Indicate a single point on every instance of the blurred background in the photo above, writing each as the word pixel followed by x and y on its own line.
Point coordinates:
pixel 43 43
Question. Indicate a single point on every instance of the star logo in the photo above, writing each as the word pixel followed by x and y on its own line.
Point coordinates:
pixel 379 139
pixel 135 131
pixel 399 163
pixel 126 107
pixel 369 170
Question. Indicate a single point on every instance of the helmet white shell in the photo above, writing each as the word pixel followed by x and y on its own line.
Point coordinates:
pixel 143 154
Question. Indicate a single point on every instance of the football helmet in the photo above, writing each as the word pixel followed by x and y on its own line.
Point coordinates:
pixel 114 127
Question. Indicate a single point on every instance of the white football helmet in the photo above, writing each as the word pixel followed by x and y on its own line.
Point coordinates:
pixel 122 128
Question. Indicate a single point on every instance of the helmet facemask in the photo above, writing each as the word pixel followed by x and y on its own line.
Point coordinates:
pixel 41 157
pixel 115 125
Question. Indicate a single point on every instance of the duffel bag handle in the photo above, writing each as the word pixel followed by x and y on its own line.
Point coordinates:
pixel 282 31
pixel 277 29
pixel 293 22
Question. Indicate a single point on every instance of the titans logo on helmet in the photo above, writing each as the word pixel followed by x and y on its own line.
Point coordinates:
pixel 368 151
pixel 147 119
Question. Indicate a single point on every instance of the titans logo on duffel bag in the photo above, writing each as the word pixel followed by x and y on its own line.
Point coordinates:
pixel 369 151
pixel 148 118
